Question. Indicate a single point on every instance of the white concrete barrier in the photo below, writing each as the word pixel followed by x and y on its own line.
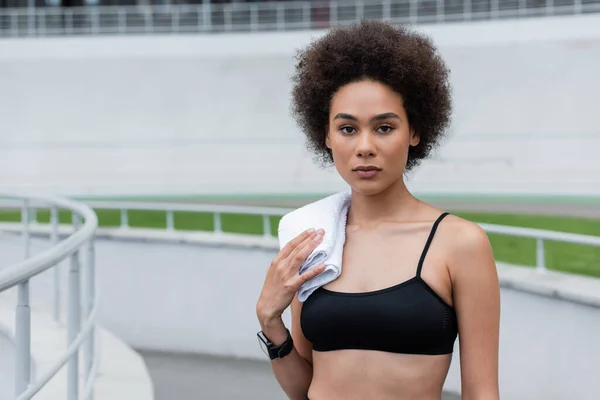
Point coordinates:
pixel 210 114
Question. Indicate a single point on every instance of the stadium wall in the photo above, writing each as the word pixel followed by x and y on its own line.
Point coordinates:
pixel 195 114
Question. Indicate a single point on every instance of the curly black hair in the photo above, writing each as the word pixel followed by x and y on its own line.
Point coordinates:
pixel 397 56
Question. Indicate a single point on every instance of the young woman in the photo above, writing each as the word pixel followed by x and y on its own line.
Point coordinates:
pixel 374 99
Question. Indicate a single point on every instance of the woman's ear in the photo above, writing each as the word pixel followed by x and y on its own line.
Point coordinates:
pixel 327 141
pixel 414 138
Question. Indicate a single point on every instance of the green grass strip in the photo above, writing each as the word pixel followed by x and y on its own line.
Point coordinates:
pixel 572 258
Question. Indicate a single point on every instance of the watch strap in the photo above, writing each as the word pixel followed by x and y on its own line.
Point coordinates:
pixel 278 351
pixel 283 349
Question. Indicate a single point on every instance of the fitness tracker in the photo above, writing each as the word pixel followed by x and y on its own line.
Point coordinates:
pixel 275 351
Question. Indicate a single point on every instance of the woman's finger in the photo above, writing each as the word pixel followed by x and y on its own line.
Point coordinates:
pixel 293 244
pixel 308 275
pixel 300 253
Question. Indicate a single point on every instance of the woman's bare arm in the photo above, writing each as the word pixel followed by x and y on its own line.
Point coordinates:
pixel 294 371
pixel 280 291
pixel 476 295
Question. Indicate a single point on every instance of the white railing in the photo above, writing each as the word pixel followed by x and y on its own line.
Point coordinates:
pixel 268 16
pixel 267 212
pixel 82 304
pixel 170 208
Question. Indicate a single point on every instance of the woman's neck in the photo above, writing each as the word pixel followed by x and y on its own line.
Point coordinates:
pixel 395 203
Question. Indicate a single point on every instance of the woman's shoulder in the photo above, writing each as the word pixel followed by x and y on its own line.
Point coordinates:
pixel 464 232
pixel 466 243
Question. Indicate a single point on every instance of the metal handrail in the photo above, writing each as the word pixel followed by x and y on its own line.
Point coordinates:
pixel 80 303
pixel 216 209
pixel 268 16
pixel 267 212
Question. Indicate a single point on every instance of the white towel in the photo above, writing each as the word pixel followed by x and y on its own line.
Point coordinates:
pixel 329 213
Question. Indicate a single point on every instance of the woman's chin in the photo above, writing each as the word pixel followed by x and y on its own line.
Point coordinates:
pixel 368 188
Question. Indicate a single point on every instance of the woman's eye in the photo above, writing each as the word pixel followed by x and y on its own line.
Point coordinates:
pixel 385 128
pixel 347 129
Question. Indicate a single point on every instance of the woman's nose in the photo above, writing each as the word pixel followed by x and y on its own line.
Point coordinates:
pixel 365 147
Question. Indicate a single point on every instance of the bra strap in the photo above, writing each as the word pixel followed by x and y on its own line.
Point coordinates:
pixel 429 239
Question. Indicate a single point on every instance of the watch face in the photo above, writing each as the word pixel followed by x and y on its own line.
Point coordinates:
pixel 264 343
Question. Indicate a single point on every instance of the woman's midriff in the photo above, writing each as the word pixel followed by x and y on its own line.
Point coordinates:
pixel 360 374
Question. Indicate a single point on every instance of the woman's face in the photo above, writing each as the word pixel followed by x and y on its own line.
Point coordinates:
pixel 369 136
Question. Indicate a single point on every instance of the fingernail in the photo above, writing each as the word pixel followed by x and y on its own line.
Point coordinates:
pixel 311 230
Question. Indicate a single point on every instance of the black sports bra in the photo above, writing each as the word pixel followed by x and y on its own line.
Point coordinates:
pixel 405 318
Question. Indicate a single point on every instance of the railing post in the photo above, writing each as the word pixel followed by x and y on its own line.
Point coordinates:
pixel 333 14
pixel 22 339
pixel 42 28
pixel 74 320
pixel 124 219
pixel 387 10
pixel 217 222
pixel 495 9
pixel 14 27
pixel 540 256
pixel 174 19
pixel 413 12
pixel 360 10
pixel 522 8
pixel 95 19
pixel 88 305
pixel 227 17
pixel 266 225
pixel 170 220
pixel 69 21
pixel 31 17
pixel 54 240
pixel 207 15
pixel 306 16
pixel 467 10
pixel 148 20
pixel 549 7
pixel 254 25
pixel 280 16
pixel 23 318
pixel 122 21
pixel 25 223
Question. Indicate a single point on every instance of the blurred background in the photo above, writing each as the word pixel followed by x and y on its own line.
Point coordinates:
pixel 167 124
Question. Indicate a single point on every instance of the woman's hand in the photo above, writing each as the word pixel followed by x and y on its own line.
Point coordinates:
pixel 283 279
